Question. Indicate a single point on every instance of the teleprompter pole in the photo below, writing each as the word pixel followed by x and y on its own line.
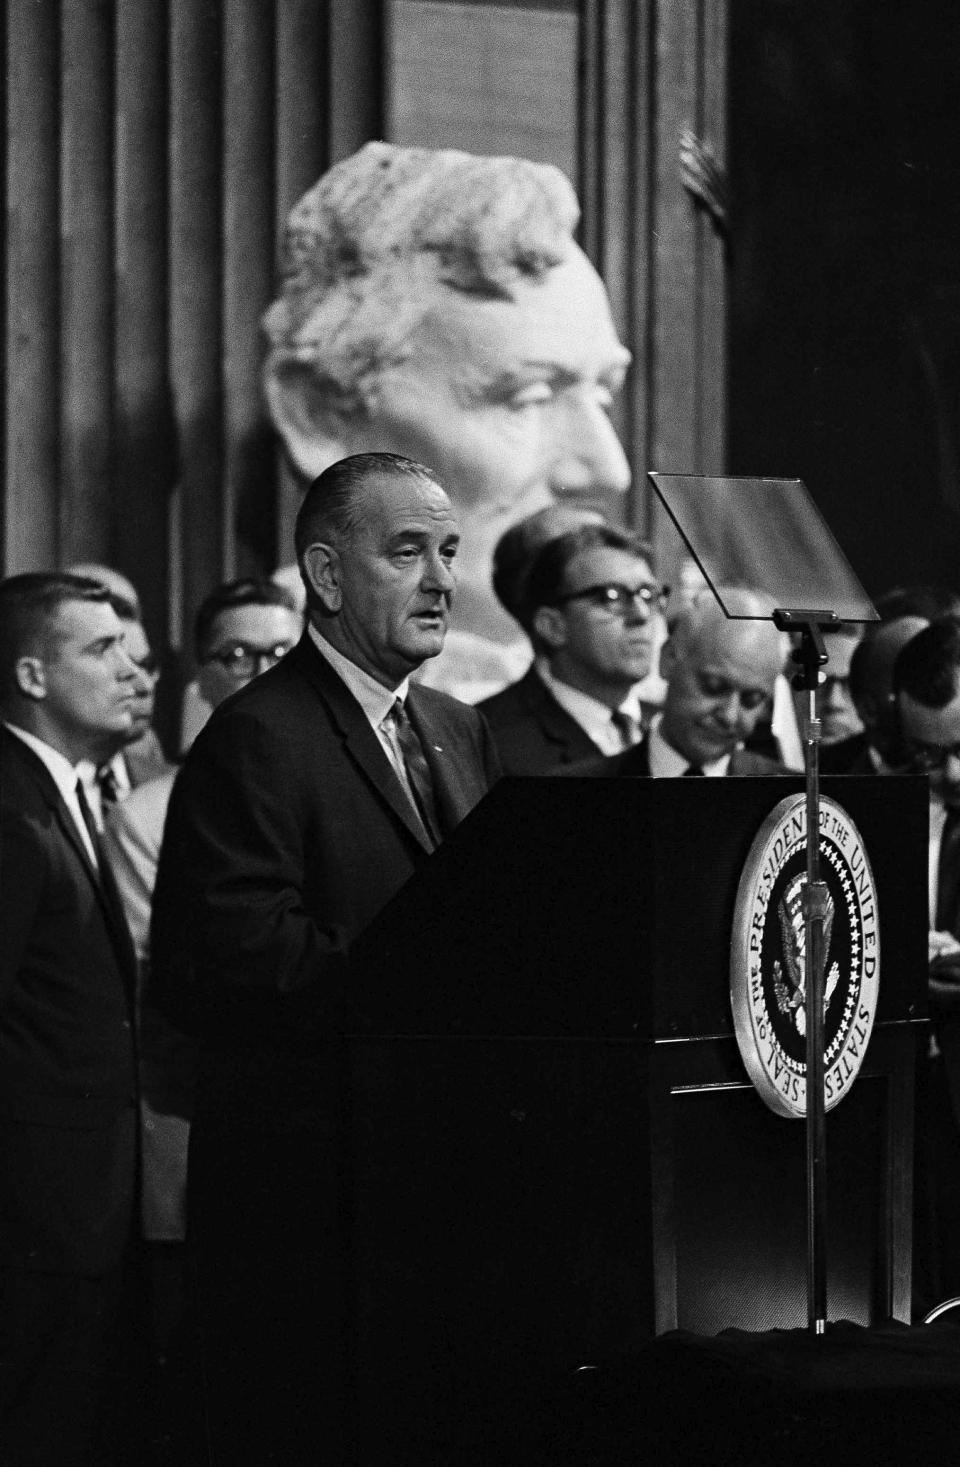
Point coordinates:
pixel 812 656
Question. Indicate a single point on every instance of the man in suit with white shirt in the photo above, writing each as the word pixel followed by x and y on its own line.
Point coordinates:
pixel 589 603
pixel 720 675
pixel 306 802
pixel 67 1069
pixel 241 628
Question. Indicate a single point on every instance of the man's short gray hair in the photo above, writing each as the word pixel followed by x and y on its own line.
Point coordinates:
pixel 365 246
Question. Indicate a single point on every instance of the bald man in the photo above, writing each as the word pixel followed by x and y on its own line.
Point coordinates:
pixel 720 677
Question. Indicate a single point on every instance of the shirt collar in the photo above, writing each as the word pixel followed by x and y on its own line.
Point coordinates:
pixel 666 763
pixel 88 771
pixel 61 771
pixel 375 700
pixel 592 715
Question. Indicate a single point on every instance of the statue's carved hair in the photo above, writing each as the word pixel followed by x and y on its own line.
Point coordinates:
pixel 365 247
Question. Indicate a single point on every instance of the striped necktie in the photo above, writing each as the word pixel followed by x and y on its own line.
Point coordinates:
pixel 418 770
pixel 627 727
pixel 109 788
pixel 108 885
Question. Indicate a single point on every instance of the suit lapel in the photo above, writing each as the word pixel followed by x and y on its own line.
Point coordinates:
pixel 451 798
pixel 68 829
pixel 556 723
pixel 360 741
pixel 104 886
pixel 117 923
pixel 105 889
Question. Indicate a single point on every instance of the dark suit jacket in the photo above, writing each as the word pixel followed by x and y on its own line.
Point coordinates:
pixel 847 756
pixel 287 831
pixel 533 734
pixel 67 1070
pixel 635 763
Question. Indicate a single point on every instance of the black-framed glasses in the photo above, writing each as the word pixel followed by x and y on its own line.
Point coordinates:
pixel 242 660
pixel 617 599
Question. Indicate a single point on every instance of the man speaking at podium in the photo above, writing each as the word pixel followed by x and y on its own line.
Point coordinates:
pixel 307 801
pixel 720 675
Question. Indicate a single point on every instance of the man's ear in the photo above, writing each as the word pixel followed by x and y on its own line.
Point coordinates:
pixel 550 626
pixel 31 677
pixel 321 569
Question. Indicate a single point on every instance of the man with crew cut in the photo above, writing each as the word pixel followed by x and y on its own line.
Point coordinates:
pixel 68 1118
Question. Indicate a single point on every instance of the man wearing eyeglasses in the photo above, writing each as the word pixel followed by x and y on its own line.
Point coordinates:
pixel 720 675
pixel 242 628
pixel 590 604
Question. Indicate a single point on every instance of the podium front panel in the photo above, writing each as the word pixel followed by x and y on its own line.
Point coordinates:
pixel 552 1150
pixel 603 907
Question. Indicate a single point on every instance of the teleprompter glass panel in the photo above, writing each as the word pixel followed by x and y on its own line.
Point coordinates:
pixel 767 534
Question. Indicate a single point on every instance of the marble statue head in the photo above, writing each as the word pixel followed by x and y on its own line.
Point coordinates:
pixel 435 304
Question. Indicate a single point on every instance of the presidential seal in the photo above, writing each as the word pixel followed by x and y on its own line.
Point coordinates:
pixel 767 979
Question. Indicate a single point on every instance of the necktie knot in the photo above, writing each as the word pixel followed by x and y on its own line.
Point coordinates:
pixel 627 727
pixel 694 771
pixel 109 786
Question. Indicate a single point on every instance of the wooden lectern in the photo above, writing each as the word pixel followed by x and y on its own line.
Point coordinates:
pixel 552 1149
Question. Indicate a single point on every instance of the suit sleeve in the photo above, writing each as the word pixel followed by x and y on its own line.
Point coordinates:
pixel 23 881
pixel 231 941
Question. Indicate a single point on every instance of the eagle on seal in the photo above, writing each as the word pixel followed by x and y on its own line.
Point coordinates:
pixel 792 999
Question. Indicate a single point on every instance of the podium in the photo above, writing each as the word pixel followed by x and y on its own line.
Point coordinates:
pixel 552 1151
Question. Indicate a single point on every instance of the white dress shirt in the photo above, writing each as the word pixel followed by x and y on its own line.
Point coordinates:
pixel 375 700
pixel 594 717
pixel 87 771
pixel 666 763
